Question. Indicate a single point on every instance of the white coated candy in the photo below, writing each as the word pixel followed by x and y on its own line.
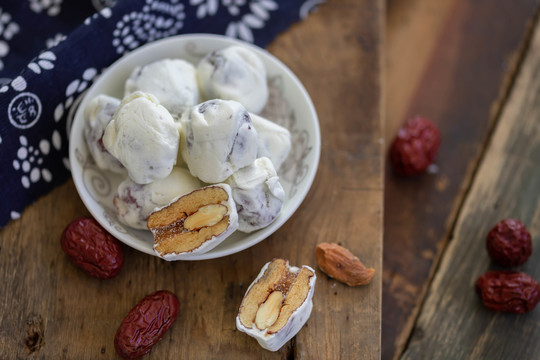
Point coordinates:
pixel 234 73
pixel 143 136
pixel 98 113
pixel 217 140
pixel 258 195
pixel 274 140
pixel 172 81
pixel 134 202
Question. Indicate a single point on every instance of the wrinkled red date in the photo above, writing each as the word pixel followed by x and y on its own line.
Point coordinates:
pixel 508 291
pixel 509 243
pixel 415 146
pixel 92 248
pixel 146 324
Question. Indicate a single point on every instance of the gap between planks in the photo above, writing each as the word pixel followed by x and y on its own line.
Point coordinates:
pixel 507 84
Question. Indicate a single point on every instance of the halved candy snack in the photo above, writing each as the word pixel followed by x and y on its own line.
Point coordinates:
pixel 277 304
pixel 193 223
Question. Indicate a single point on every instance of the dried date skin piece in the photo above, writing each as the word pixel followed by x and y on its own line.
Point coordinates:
pixel 92 248
pixel 146 324
pixel 415 146
pixel 508 291
pixel 509 243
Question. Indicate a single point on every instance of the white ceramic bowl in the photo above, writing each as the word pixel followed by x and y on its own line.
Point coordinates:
pixel 293 109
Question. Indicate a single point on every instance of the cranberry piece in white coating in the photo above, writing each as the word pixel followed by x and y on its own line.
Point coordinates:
pixel 217 140
pixel 258 195
pixel 134 202
pixel 97 114
pixel 172 81
pixel 234 73
pixel 144 137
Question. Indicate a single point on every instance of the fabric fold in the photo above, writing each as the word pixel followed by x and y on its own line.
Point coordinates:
pixel 51 51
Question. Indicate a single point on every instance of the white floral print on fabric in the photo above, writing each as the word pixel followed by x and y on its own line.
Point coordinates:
pixel 24 110
pixel 55 40
pixel 8 29
pixel 233 6
pixel 74 88
pixel 74 94
pixel 30 159
pixel 18 84
pixel 205 7
pixel 255 19
pixel 52 7
pixel 157 20
pixel 45 61
pixel 106 13
pixel 102 4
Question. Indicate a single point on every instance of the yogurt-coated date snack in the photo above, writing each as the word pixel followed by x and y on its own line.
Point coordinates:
pixel 172 81
pixel 134 202
pixel 143 136
pixel 217 140
pixel 193 223
pixel 258 195
pixel 234 73
pixel 97 114
pixel 277 304
pixel 274 140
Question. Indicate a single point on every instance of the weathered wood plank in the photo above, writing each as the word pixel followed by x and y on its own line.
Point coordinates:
pixel 453 324
pixel 450 61
pixel 336 54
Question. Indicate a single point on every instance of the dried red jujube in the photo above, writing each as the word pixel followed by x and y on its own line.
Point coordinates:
pixel 92 248
pixel 509 243
pixel 415 146
pixel 146 324
pixel 508 291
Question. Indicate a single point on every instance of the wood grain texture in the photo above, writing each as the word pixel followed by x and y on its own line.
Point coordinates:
pixel 466 60
pixel 52 310
pixel 453 324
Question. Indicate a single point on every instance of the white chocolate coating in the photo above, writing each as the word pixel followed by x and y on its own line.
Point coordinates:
pixel 143 136
pixel 258 195
pixel 98 114
pixel 274 140
pixel 275 341
pixel 172 81
pixel 215 240
pixel 234 73
pixel 217 139
pixel 134 202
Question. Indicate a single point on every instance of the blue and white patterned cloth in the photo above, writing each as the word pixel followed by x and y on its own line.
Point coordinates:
pixel 51 51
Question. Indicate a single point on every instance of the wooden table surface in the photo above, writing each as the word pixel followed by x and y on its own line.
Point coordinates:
pixel 473 68
pixel 50 309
